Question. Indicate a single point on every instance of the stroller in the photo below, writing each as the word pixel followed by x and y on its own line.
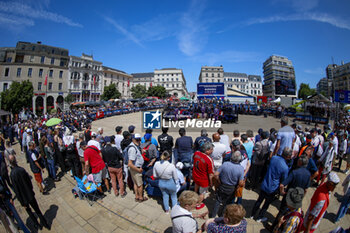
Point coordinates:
pixel 86 190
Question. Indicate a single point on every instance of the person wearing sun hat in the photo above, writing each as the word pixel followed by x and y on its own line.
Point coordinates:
pixel 292 219
pixel 319 203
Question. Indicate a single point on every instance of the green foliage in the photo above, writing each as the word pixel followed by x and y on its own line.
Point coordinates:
pixel 139 91
pixel 69 98
pixel 158 91
pixel 110 92
pixel 19 95
pixel 305 91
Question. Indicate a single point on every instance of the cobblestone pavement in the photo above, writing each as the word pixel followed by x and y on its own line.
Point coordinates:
pixel 114 214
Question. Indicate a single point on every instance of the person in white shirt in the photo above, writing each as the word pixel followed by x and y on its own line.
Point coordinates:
pixel 181 216
pixel 224 139
pixel 180 182
pixel 167 175
pixel 93 141
pixel 81 151
pixel 219 151
pixel 118 137
pixel 342 148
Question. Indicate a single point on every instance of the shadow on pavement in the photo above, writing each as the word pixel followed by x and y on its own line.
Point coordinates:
pixel 50 214
pixel 330 216
pixel 168 230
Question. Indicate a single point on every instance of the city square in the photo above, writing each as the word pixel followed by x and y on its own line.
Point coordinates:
pixel 175 116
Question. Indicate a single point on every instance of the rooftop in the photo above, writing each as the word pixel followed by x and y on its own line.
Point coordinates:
pixel 233 74
pixel 143 75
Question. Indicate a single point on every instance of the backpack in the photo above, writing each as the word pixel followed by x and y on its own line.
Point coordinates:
pixel 263 155
pixel 145 155
pixel 126 154
pixel 301 218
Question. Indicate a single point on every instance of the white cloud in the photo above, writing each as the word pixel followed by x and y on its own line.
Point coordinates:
pixel 17 9
pixel 15 21
pixel 318 17
pixel 230 56
pixel 157 28
pixel 193 34
pixel 318 71
pixel 123 31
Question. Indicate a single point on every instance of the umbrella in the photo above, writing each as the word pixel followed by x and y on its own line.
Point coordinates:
pixel 184 98
pixel 53 121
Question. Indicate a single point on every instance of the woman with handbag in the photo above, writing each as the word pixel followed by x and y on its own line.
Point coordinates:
pixel 167 175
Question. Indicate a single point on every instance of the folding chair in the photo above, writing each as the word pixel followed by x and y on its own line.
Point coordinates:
pixel 88 190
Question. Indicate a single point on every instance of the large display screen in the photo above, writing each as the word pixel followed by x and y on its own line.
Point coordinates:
pixel 285 87
pixel 210 89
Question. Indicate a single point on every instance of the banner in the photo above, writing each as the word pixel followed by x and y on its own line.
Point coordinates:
pixel 342 96
pixel 211 89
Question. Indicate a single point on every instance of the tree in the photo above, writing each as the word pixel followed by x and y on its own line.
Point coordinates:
pixel 158 91
pixel 139 91
pixel 18 96
pixel 305 91
pixel 110 92
pixel 69 98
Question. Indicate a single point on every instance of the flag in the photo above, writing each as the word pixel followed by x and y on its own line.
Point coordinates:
pixel 94 79
pixel 151 85
pixel 45 83
pixel 128 82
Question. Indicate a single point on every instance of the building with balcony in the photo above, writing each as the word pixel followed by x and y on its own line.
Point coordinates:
pixel 172 79
pixel 341 77
pixel 122 80
pixel 279 77
pixel 237 81
pixel 85 78
pixel 35 62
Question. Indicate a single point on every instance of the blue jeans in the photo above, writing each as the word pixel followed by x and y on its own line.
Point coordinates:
pixel 52 168
pixel 168 187
pixel 343 206
pixel 17 217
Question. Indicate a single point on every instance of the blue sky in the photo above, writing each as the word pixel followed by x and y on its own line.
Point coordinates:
pixel 140 36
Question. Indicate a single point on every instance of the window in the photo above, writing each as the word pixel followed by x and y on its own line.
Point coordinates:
pixel 206 74
pixel 9 59
pixel 31 58
pixel 50 86
pixel 39 86
pixel 51 73
pixel 61 74
pixel 30 72
pixel 212 75
pixel 59 86
pixel 42 60
pixel 52 61
pixel 218 74
pixel 40 72
pixel 213 80
pixel 19 72
pixel 7 71
pixel 5 87
pixel 206 80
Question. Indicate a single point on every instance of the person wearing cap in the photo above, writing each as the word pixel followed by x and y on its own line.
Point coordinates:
pixel 319 203
pixel 118 138
pixel 93 159
pixel 114 160
pixel 135 164
pixel 230 175
pixel 202 139
pixel 291 221
pixel 149 151
pixel 219 151
pixel 180 182
pixel 93 141
pixel 153 139
pixel 131 129
pixel 277 172
pixel 285 137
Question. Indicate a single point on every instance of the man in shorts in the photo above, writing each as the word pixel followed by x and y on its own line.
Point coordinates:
pixel 36 166
pixel 93 159
pixel 203 171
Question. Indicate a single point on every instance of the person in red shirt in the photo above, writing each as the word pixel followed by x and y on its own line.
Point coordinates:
pixel 93 159
pixel 203 171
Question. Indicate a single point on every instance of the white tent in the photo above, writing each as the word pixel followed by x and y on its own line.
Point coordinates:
pixel 278 100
